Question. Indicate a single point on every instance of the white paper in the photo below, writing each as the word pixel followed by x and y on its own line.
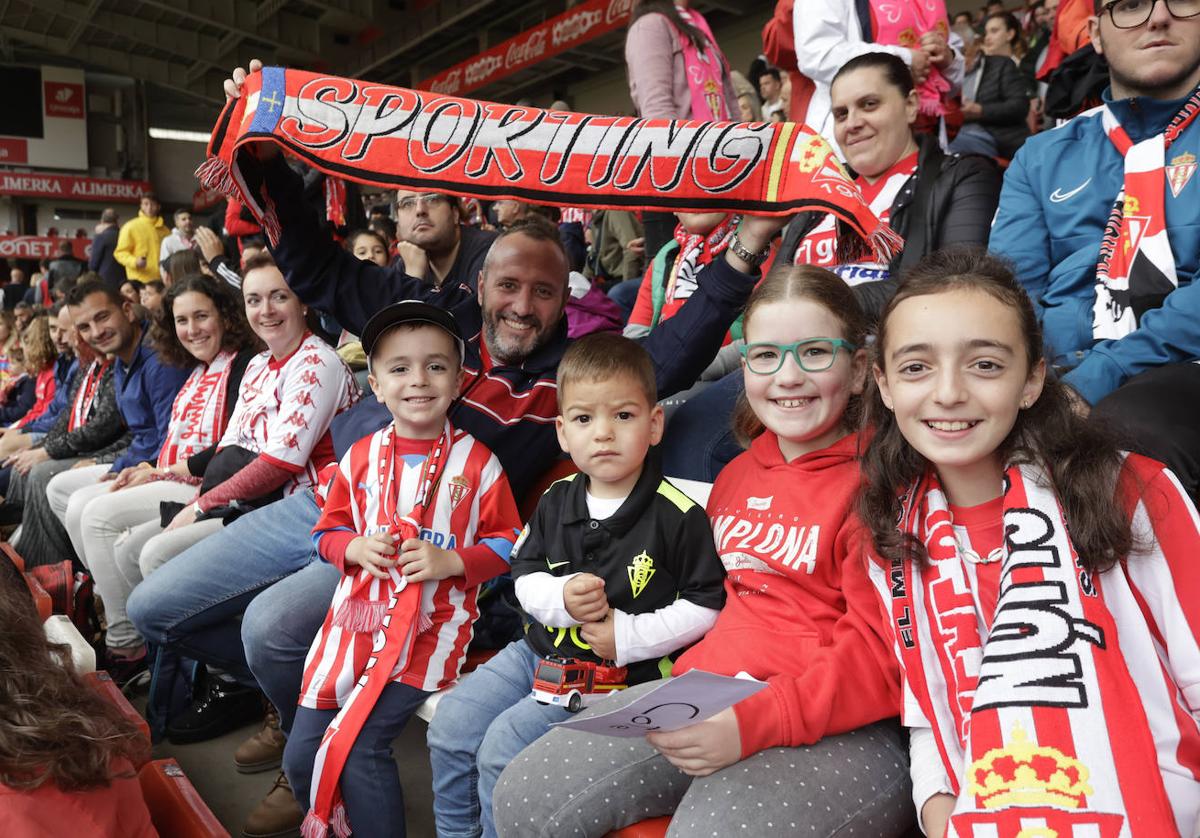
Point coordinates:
pixel 679 702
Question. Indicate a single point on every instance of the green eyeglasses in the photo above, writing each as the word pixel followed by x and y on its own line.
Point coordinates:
pixel 813 355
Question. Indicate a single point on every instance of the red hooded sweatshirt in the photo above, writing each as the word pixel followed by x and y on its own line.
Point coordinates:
pixel 800 611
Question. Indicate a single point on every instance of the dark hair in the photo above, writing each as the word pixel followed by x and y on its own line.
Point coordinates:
pixel 149 194
pixel 533 226
pixel 1082 461
pixel 54 727
pixel 602 356
pixel 88 287
pixel 384 226
pixel 136 283
pixel 1017 41
pixel 802 282
pixel 55 309
pixel 182 263
pixel 353 236
pixel 181 211
pixel 155 285
pixel 774 73
pixel 667 9
pixel 894 69
pixel 258 261
pixel 238 335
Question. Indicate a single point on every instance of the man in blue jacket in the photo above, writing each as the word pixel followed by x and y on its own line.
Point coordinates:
pixel 516 332
pixel 1102 220
pixel 145 390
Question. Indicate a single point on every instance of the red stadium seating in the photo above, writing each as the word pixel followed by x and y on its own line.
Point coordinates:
pixel 103 683
pixel 175 806
pixel 653 828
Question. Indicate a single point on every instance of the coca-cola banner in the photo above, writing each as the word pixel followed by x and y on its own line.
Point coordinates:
pixel 70 188
pixel 573 27
pixel 40 247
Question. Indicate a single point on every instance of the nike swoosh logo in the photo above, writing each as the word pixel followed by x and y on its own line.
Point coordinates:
pixel 553 565
pixel 1058 196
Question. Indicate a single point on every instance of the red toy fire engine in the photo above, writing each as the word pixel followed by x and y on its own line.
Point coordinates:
pixel 574 683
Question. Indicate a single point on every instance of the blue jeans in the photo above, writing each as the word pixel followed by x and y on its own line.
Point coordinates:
pixel 625 294
pixel 370 784
pixel 973 138
pixel 192 602
pixel 699 440
pixel 479 727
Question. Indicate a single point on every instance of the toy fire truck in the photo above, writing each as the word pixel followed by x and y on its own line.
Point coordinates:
pixel 574 683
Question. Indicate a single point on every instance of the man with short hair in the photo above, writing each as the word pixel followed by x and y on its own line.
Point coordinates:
pixel 518 332
pixel 140 241
pixel 14 290
pixel 101 260
pixel 145 389
pixel 509 212
pixel 433 243
pixel 64 265
pixel 1101 218
pixel 770 86
pixel 180 237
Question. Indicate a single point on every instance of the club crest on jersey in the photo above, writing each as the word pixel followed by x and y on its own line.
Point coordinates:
pixel 1180 172
pixel 460 487
pixel 640 570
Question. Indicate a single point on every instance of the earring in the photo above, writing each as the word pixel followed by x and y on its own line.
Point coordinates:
pixel 1025 404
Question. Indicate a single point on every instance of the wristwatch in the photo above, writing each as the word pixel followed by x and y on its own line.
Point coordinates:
pixel 740 251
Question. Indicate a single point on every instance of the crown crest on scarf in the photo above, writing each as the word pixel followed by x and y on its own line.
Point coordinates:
pixel 1025 774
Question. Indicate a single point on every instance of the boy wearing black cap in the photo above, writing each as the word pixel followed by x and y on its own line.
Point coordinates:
pixel 417 516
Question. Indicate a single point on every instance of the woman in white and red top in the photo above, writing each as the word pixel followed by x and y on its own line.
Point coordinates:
pixel 207 329
pixel 932 199
pixel 277 440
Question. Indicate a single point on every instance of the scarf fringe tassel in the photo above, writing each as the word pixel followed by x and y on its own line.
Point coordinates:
pixel 367 617
pixel 313 826
pixel 214 174
pixel 339 822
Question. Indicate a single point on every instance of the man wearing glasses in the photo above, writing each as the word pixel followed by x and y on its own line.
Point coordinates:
pixel 1101 217
pixel 433 242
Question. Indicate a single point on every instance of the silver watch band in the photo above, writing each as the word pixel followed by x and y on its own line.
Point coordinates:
pixel 740 251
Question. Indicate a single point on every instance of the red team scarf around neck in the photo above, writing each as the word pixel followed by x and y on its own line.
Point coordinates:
pixel 409 139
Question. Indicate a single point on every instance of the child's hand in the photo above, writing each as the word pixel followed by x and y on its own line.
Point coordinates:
pixel 420 560
pixel 703 748
pixel 601 636
pixel 373 554
pixel 584 599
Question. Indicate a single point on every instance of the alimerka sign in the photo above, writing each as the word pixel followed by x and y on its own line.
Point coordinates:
pixel 577 25
pixel 71 188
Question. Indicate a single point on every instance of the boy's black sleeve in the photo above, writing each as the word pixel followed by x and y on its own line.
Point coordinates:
pixel 698 568
pixel 529 551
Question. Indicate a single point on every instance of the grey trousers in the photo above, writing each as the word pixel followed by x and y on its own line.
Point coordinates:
pixel 42 538
pixel 572 784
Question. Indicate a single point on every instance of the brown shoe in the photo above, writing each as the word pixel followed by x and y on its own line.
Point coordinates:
pixel 277 816
pixel 264 750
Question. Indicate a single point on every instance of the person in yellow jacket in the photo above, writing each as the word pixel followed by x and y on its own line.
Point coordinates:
pixel 139 241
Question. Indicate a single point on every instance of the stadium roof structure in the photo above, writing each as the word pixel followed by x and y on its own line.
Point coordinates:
pixel 183 49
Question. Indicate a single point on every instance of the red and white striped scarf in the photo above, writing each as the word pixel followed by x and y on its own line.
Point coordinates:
pixel 399 138
pixel 81 409
pixel 198 412
pixel 371 605
pixel 1037 719
pixel 1135 255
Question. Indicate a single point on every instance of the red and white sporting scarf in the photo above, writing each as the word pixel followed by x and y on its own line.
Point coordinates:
pixel 371 605
pixel 696 251
pixel 1135 254
pixel 399 138
pixel 86 394
pixel 706 71
pixel 198 412
pixel 1039 724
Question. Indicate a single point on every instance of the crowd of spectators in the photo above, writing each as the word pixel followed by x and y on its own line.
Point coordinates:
pixel 186 418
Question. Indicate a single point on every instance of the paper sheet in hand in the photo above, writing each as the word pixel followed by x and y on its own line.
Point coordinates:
pixel 690 698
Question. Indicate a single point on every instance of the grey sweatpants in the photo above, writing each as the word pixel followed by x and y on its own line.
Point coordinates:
pixel 573 784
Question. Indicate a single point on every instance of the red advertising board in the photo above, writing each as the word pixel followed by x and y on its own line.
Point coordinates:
pixel 69 187
pixel 40 247
pixel 13 150
pixel 63 100
pixel 577 25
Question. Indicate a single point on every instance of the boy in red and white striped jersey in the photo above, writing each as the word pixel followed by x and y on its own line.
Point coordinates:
pixel 417 516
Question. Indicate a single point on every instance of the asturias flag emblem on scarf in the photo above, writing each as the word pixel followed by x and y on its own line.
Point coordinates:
pixel 400 138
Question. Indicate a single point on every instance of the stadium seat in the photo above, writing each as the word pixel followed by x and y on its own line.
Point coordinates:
pixel 41 598
pixel 176 808
pixel 103 683
pixel 652 828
